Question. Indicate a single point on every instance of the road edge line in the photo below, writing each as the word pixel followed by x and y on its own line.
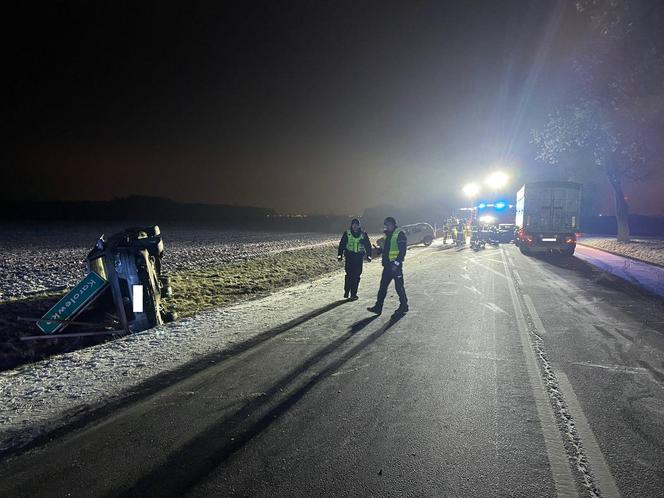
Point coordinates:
pixel 600 469
pixel 556 453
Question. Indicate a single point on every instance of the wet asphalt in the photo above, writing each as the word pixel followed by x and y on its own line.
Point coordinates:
pixel 510 376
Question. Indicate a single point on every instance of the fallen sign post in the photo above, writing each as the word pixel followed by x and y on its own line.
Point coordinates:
pixel 76 335
pixel 75 301
pixel 68 322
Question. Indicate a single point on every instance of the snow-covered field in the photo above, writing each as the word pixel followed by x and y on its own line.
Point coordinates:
pixel 645 249
pixel 50 257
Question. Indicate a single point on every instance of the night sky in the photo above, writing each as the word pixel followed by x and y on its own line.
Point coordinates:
pixel 315 107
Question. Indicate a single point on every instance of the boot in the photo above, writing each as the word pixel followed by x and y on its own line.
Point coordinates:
pixel 346 287
pixel 353 290
pixel 401 310
pixel 376 309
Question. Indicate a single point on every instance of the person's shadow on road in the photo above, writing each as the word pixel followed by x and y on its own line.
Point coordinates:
pixel 211 448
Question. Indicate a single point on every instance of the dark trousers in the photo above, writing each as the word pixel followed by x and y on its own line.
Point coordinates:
pixel 385 279
pixel 353 272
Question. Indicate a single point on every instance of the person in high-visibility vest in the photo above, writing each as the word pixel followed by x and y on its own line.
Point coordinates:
pixel 355 246
pixel 393 254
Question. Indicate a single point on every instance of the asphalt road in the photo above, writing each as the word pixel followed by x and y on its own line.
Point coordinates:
pixel 510 376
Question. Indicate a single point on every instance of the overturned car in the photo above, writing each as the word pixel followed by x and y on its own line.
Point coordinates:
pixel 131 262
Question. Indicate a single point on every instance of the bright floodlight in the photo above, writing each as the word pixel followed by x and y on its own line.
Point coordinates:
pixel 497 180
pixel 471 189
pixel 487 219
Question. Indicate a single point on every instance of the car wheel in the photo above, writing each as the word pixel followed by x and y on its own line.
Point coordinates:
pixel 427 240
pixel 524 251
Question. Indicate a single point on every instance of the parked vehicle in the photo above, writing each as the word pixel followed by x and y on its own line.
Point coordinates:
pixel 547 217
pixel 493 236
pixel 484 233
pixel 418 233
pixel 506 233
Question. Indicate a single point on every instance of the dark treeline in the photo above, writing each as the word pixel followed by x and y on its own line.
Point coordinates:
pixel 646 226
pixel 145 210
pixel 154 210
pixel 128 208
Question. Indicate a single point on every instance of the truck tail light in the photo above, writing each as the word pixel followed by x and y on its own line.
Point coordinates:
pixel 570 239
pixel 528 239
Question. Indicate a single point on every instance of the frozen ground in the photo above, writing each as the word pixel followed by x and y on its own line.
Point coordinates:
pixel 38 258
pixel 39 397
pixel 645 249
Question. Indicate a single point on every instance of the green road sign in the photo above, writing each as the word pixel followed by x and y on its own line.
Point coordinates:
pixel 72 303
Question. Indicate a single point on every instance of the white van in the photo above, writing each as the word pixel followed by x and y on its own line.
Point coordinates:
pixel 418 233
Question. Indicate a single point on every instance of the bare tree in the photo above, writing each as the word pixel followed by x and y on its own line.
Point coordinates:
pixel 615 112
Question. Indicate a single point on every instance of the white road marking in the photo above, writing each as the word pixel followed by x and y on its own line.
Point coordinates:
pixel 517 277
pixel 488 268
pixel 494 307
pixel 603 478
pixel 562 476
pixel 613 368
pixel 534 315
pixel 473 289
pixel 511 260
pixel 600 470
pixel 466 276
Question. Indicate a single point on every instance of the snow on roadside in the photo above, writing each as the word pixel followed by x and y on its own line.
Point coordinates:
pixel 648 250
pixel 37 398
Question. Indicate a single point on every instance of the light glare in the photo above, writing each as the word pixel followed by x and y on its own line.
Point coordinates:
pixel 497 180
pixel 471 189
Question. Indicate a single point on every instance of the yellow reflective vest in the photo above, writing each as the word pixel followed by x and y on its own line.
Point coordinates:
pixel 354 244
pixel 394 247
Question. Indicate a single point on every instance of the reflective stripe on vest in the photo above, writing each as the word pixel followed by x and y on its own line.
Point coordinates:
pixel 354 244
pixel 394 247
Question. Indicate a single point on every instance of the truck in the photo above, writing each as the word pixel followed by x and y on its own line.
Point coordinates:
pixel 547 217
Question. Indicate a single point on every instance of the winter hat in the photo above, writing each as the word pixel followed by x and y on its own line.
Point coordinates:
pixel 355 221
pixel 389 219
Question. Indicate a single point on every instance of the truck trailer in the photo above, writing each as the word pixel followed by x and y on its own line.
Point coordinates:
pixel 547 217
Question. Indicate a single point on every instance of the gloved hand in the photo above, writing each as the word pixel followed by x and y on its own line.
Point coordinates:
pixel 368 259
pixel 396 267
pixel 339 257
